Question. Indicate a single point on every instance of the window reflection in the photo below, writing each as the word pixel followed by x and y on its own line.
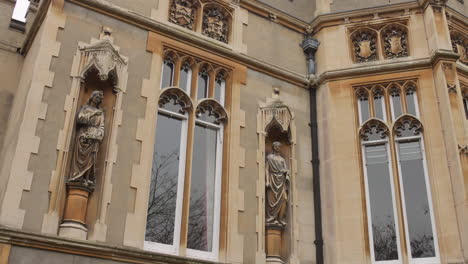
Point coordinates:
pixel 411 100
pixel 164 180
pixel 363 101
pixel 465 104
pixel 380 197
pixel 220 85
pixel 418 211
pixel 202 189
pixel 379 104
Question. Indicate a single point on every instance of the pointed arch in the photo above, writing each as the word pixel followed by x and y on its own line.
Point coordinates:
pixel 211 108
pixel 373 129
pixel 178 97
pixel 407 126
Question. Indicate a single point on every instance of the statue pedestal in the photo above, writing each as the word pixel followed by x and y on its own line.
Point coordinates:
pixel 273 244
pixel 74 220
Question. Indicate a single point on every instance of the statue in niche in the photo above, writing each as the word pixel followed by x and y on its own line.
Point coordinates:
pixel 88 138
pixel 277 188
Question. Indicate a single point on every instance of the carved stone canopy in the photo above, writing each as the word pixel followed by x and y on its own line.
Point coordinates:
pixel 215 23
pixel 103 57
pixel 182 13
pixel 276 113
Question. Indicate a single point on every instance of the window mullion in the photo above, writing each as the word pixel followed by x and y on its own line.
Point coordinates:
pixel 187 182
pixel 176 78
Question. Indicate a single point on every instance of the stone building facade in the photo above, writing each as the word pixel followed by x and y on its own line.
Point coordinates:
pixel 234 131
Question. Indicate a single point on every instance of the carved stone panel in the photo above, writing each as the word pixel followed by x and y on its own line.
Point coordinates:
pixel 215 23
pixel 364 43
pixel 460 45
pixel 395 40
pixel 450 77
pixel 182 13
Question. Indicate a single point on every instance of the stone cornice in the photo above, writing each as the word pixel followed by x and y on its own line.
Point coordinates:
pixel 220 49
pixel 383 68
pixel 87 248
pixel 282 18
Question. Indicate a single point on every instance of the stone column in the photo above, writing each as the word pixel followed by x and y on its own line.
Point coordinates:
pixel 74 219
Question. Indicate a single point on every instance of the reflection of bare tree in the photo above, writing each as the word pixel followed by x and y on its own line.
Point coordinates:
pixel 385 244
pixel 423 247
pixel 162 198
pixel 197 237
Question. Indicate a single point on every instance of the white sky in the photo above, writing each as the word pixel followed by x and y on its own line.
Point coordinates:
pixel 20 9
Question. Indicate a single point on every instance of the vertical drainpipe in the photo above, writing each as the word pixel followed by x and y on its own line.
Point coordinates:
pixel 310 46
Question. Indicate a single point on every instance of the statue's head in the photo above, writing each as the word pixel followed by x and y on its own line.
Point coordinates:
pixel 276 146
pixel 96 98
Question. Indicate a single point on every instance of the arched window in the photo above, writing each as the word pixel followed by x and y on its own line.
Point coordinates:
pixel 380 195
pixel 203 82
pixel 167 76
pixel 411 99
pixel 220 87
pixel 363 104
pixel 185 79
pixel 395 101
pixel 414 186
pixel 167 174
pixel 205 185
pixel 379 102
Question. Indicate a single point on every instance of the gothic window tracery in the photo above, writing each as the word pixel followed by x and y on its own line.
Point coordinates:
pixel 177 115
pixel 382 200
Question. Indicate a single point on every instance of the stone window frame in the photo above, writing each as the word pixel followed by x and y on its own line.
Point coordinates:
pixel 199 11
pixel 382 47
pixel 193 108
pixel 391 139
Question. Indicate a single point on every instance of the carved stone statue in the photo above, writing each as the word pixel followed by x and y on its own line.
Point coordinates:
pixel 277 188
pixel 89 135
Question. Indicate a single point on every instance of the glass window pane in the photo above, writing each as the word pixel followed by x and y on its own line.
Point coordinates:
pixel 219 90
pixel 411 102
pixel 380 198
pixel 364 109
pixel 164 179
pixel 418 211
pixel 203 82
pixel 379 107
pixel 185 75
pixel 202 190
pixel 396 105
pixel 168 68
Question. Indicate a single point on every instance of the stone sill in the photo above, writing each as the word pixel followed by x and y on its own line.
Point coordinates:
pixel 89 248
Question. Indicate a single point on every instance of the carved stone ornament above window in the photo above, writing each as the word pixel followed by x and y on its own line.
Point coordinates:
pixel 373 130
pixel 460 45
pixel 182 13
pixel 212 109
pixel 395 39
pixel 364 45
pixel 215 23
pixel 178 97
pixel 407 126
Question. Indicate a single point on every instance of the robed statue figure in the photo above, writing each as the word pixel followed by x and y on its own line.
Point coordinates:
pixel 88 137
pixel 277 187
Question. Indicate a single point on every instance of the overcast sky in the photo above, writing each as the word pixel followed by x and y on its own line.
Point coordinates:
pixel 20 9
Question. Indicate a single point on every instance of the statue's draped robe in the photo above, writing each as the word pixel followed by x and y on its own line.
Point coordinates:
pixel 277 174
pixel 90 132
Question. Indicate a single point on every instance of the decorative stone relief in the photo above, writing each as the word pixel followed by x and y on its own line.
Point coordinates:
pixel 463 149
pixel 395 39
pixel 182 13
pixel 373 130
pixel 178 96
pixel 215 23
pixel 364 45
pixel 211 108
pixel 407 126
pixel 460 45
